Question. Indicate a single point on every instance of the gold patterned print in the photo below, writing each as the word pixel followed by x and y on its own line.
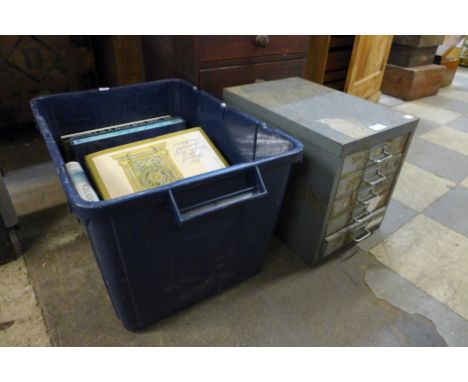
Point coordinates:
pixel 149 167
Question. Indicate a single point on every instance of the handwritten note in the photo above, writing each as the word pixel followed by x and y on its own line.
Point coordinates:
pixel 191 150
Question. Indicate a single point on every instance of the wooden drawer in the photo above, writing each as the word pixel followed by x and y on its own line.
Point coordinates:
pixel 214 80
pixel 218 48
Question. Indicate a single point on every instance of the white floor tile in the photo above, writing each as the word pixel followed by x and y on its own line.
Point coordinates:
pixel 429 112
pixel 418 188
pixel 433 257
pixel 448 137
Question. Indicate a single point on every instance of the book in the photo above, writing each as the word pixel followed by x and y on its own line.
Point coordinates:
pixel 153 162
pixel 67 137
pixel 80 182
pixel 79 146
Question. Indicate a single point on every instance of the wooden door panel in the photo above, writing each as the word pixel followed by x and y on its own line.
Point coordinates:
pixel 367 66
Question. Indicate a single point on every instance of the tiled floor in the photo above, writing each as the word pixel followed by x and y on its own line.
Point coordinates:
pixel 433 257
pixel 406 285
pixel 431 249
pixel 419 188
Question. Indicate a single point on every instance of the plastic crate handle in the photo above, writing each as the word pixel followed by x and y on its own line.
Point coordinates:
pixel 183 215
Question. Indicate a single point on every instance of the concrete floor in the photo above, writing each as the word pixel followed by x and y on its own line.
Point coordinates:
pixel 407 285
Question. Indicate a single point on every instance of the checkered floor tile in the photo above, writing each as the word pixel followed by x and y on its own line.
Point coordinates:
pixel 426 237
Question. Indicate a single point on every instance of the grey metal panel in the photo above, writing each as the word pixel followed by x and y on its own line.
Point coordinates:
pixel 343 156
pixel 305 204
pixel 337 122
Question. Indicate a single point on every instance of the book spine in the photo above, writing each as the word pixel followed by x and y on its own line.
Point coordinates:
pixel 80 182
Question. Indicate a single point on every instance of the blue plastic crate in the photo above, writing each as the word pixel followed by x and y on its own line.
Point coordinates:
pixel 163 249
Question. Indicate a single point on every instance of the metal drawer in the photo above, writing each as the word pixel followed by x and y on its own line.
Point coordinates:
pixel 339 222
pixel 391 165
pixel 376 154
pixel 348 183
pixel 374 173
pixel 382 151
pixel 355 232
pixel 372 200
pixel 334 242
pixel 364 192
pixel 384 185
pixel 343 204
pixel 355 161
pixel 367 202
pixel 379 172
pixel 398 144
pixel 363 231
pixel 358 212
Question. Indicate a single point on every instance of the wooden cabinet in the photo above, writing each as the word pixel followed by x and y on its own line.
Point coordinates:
pixel 119 60
pixel 354 64
pixel 328 60
pixel 216 62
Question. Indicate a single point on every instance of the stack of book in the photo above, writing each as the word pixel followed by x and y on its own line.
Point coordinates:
pixel 137 156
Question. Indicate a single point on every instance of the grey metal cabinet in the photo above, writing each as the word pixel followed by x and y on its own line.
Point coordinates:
pixel 353 153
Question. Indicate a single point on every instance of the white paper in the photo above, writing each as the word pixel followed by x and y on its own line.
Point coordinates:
pixel 377 127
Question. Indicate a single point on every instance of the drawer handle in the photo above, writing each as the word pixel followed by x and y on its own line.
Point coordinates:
pixel 361 216
pixel 262 41
pixel 360 220
pixel 386 157
pixel 366 234
pixel 380 178
pixel 370 200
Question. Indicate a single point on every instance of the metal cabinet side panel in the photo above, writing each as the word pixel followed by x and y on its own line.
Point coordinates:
pixel 308 202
